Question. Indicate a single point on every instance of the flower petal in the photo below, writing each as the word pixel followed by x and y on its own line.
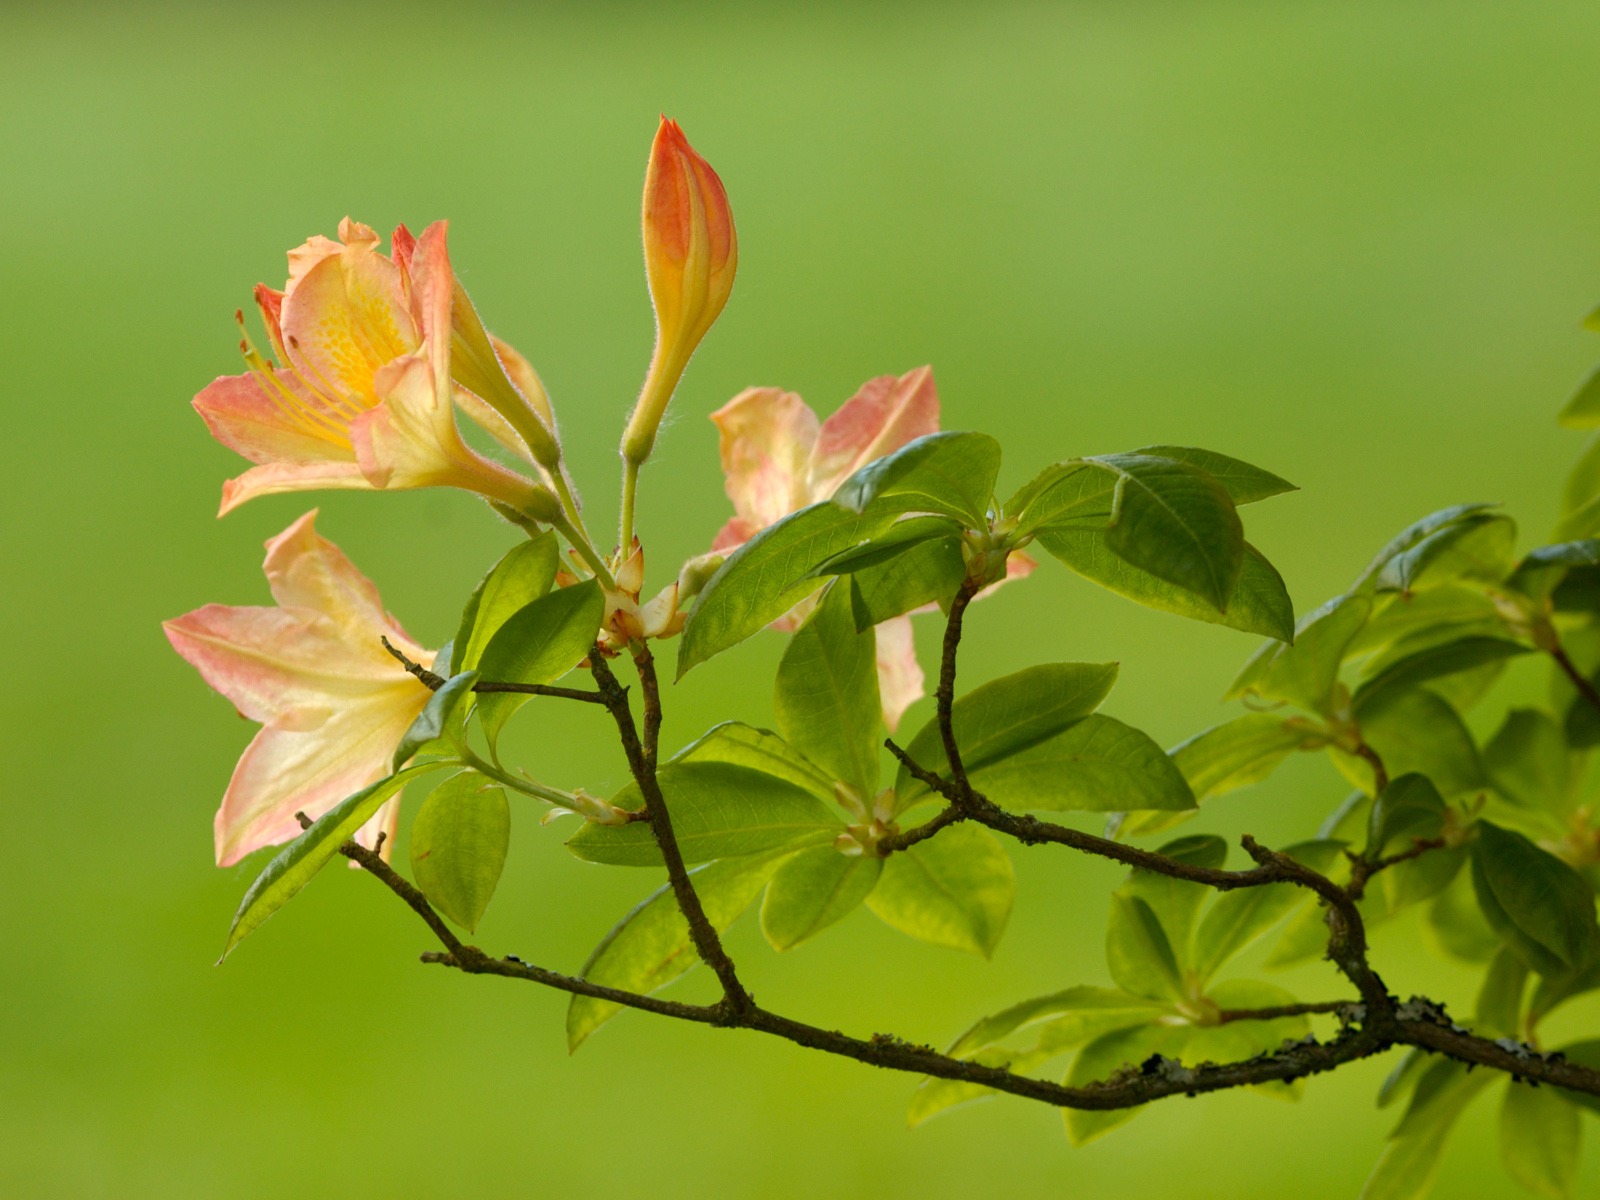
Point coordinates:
pixel 271 479
pixel 900 678
pixel 766 443
pixel 882 416
pixel 240 414
pixel 284 772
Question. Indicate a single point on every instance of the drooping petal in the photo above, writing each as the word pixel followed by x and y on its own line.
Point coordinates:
pixel 284 772
pixel 265 426
pixel 306 570
pixel 900 678
pixel 885 414
pixel 272 479
pixel 767 436
pixel 292 667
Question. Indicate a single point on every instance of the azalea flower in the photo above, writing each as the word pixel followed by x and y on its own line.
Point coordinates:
pixel 778 457
pixel 365 390
pixel 332 702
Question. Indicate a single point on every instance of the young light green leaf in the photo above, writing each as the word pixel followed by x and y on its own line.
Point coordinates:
pixel 928 573
pixel 1097 764
pixel 949 473
pixel 297 863
pixel 1418 731
pixel 650 947
pixel 1410 1162
pixel 1476 546
pixel 1103 1058
pixel 814 889
pixel 538 643
pixel 1238 918
pixel 953 890
pixel 1409 808
pixel 1009 715
pixel 1528 763
pixel 1238 1040
pixel 769 575
pixel 458 846
pixel 1403 1078
pixel 1583 410
pixel 826 697
pixel 719 810
pixel 525 573
pixel 1237 753
pixel 1077 494
pixel 1075 1015
pixel 1175 902
pixel 1538 905
pixel 1414 535
pixel 761 749
pixel 1434 662
pixel 1176 522
pixel 1244 483
pixel 1259 602
pixel 1305 672
pixel 437 715
pixel 1138 953
pixel 935 1096
pixel 1580 499
pixel 1458 924
pixel 1540 1139
pixel 1499 1007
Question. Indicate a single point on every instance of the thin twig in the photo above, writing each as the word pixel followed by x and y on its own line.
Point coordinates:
pixel 429 680
pixel 541 689
pixel 1579 680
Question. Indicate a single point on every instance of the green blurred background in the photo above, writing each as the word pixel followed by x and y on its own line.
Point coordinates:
pixel 1348 241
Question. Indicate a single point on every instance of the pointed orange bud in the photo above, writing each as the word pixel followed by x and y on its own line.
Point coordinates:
pixel 690 255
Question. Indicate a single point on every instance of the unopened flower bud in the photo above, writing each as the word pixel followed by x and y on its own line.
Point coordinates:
pixel 690 255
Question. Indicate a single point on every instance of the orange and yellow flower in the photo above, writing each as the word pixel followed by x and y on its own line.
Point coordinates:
pixel 778 457
pixel 333 704
pixel 365 389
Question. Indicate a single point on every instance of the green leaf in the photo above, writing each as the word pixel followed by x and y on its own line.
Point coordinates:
pixel 929 573
pixel 814 889
pixel 538 643
pixel 1580 499
pixel 1419 731
pixel 1138 953
pixel 1586 1054
pixel 1456 921
pixel 1583 410
pixel 902 536
pixel 1176 522
pixel 1244 483
pixel 1499 1008
pixel 1475 546
pixel 949 473
pixel 435 717
pixel 1097 764
pixel 1410 1162
pixel 1305 672
pixel 1101 1059
pixel 1076 494
pixel 1074 1015
pixel 1435 662
pixel 827 695
pixel 1176 902
pixel 1528 762
pixel 953 890
pixel 1403 1078
pixel 769 575
pixel 1008 715
pixel 1540 1139
pixel 719 810
pixel 1538 905
pixel 1238 918
pixel 761 749
pixel 650 947
pixel 525 573
pixel 1259 602
pixel 458 846
pixel 1415 619
pixel 1410 807
pixel 294 866
pixel 1415 534
pixel 1237 753
pixel 1543 569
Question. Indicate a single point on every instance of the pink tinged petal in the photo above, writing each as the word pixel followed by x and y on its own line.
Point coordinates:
pixel 306 571
pixel 270 302
pixel 302 258
pixel 403 244
pixel 271 479
pixel 900 678
pixel 266 426
pixel 432 294
pixel 880 418
pixel 734 534
pixel 343 320
pixel 767 439
pixel 288 667
pixel 283 772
